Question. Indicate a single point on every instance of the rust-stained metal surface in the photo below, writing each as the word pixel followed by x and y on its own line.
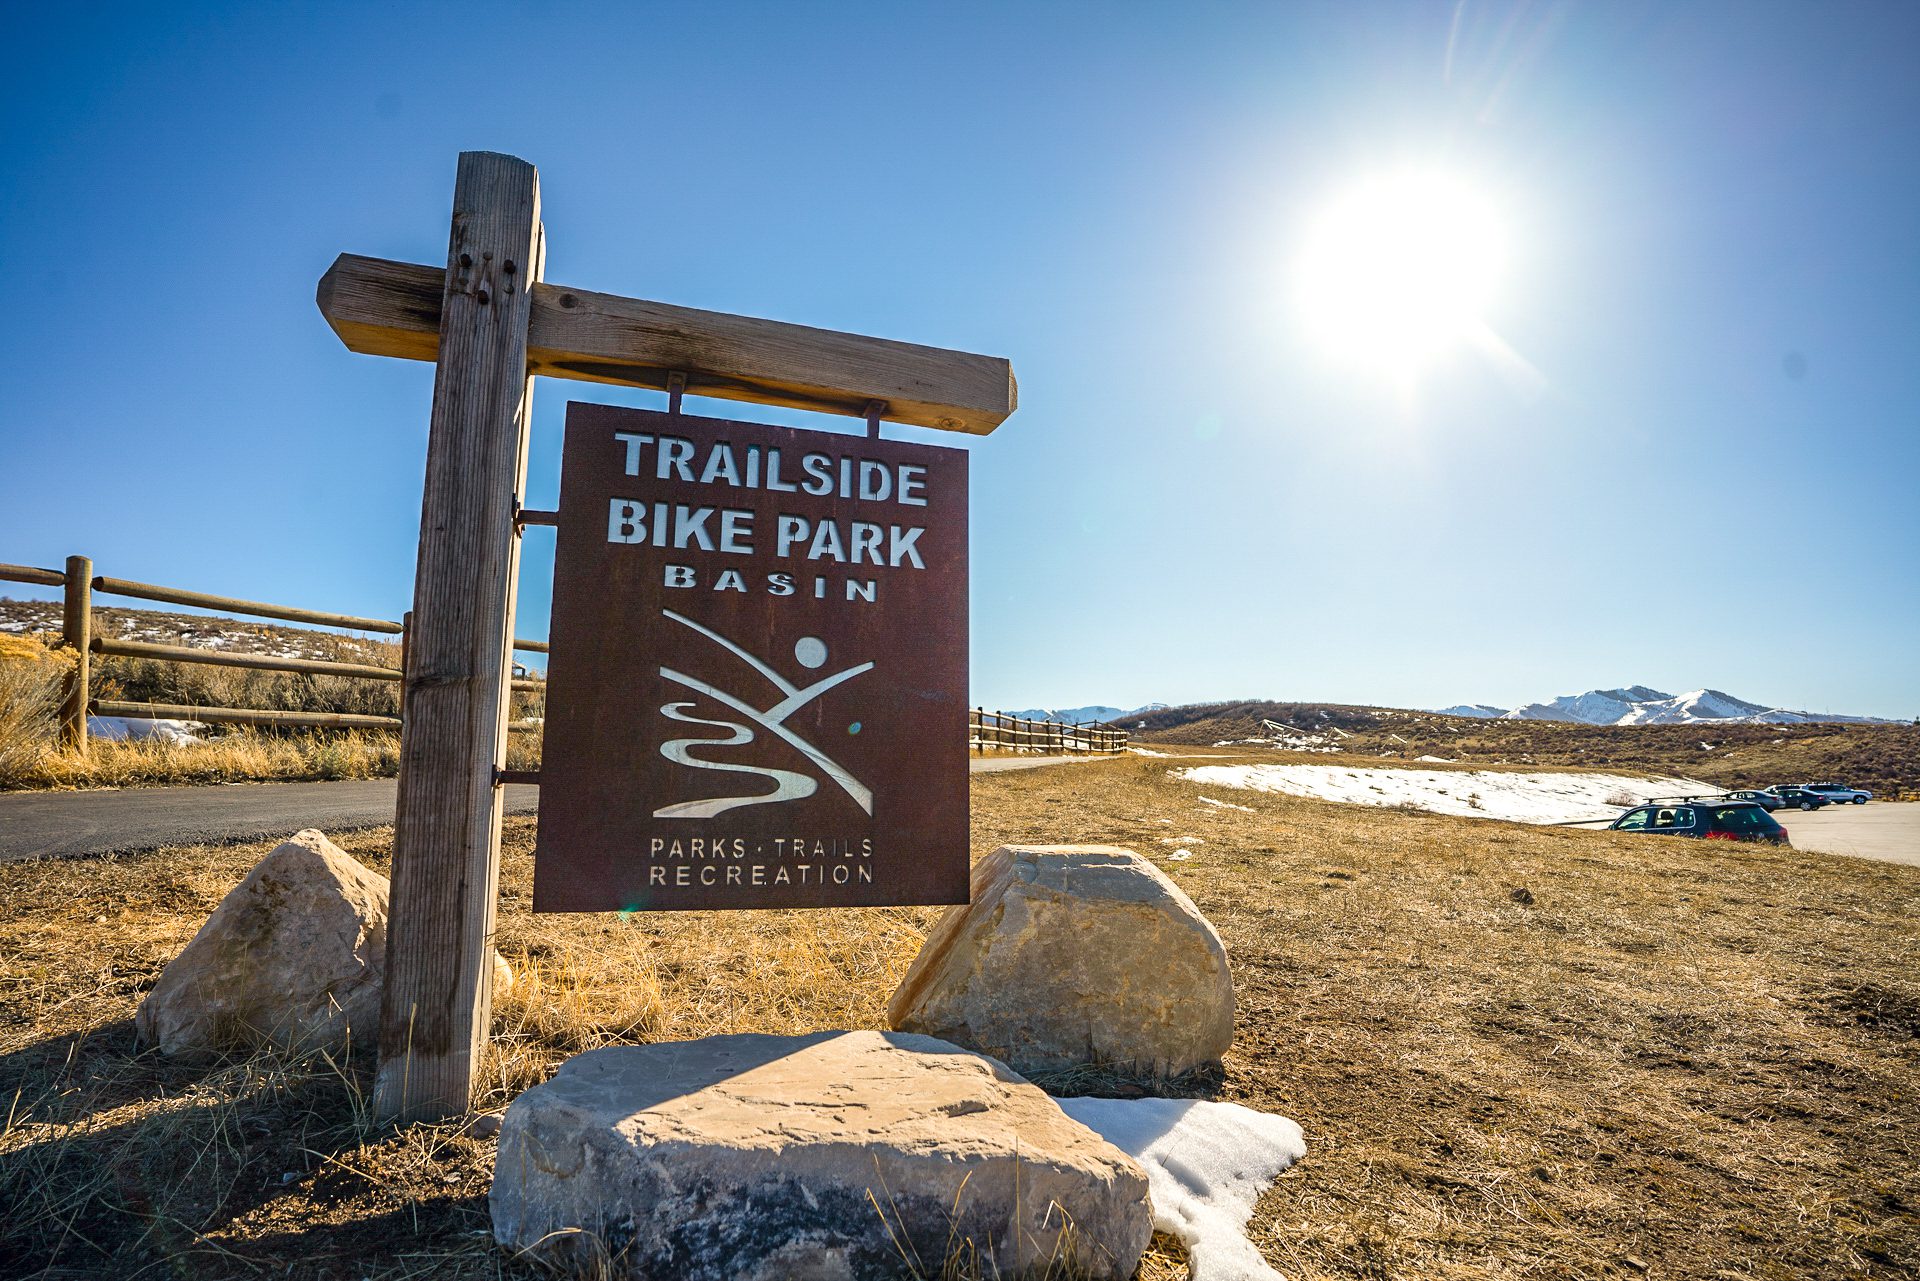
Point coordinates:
pixel 763 705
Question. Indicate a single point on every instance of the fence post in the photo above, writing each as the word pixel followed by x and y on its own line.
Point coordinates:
pixel 76 630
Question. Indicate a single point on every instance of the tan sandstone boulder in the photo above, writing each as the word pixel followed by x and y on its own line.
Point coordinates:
pixel 1072 955
pixel 293 957
pixel 830 1156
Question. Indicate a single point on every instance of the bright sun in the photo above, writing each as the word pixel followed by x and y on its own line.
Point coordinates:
pixel 1401 269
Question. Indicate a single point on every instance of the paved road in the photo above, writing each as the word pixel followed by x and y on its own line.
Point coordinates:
pixel 1878 829
pixel 123 821
pixel 40 824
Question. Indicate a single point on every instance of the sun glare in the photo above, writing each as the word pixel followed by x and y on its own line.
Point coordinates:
pixel 1400 269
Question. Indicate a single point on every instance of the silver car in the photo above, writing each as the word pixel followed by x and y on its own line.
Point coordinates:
pixel 1840 793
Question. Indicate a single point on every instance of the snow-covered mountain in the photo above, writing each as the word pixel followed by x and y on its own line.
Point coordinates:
pixel 1098 712
pixel 1641 705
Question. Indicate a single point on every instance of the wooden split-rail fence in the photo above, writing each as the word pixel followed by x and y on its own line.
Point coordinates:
pixel 986 731
pixel 1002 732
pixel 81 584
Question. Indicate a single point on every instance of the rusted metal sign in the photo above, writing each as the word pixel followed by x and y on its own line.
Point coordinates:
pixel 756 694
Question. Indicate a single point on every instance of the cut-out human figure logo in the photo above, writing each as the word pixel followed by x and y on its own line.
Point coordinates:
pixel 789 785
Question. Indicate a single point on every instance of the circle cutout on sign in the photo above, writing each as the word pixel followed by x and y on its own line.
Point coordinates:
pixel 810 651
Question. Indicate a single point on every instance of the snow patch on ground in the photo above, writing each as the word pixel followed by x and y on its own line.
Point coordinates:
pixel 1142 751
pixel 1519 797
pixel 115 729
pixel 1226 805
pixel 1207 1164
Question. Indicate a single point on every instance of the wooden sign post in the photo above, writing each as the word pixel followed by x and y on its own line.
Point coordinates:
pixel 489 323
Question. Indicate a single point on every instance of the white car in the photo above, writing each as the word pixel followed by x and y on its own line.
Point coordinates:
pixel 1840 793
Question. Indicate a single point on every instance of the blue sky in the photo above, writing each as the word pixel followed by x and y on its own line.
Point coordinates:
pixel 1706 475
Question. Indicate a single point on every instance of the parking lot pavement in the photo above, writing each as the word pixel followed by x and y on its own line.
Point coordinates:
pixel 1879 829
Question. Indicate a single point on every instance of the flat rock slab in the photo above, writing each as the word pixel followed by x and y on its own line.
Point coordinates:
pixel 839 1155
pixel 1070 956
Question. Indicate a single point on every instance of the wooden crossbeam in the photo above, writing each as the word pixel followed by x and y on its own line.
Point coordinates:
pixel 384 308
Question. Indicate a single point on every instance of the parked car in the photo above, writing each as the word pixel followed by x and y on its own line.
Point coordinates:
pixel 1799 797
pixel 1765 800
pixel 1840 793
pixel 1711 820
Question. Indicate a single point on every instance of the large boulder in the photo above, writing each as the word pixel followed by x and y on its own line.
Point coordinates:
pixel 293 957
pixel 1073 955
pixel 835 1156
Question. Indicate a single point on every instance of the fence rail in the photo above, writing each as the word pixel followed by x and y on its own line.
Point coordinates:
pixel 1004 732
pixel 986 731
pixel 80 583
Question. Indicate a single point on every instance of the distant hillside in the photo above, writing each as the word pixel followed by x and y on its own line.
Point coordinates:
pixel 163 628
pixel 1884 757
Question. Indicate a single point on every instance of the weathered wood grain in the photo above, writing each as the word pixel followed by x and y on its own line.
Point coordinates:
pixel 29 574
pixel 385 308
pixel 438 990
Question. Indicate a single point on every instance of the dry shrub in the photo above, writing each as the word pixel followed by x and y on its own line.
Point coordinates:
pixel 240 756
pixel 32 679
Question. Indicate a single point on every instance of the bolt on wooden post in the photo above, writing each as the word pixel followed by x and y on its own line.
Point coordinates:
pixel 77 630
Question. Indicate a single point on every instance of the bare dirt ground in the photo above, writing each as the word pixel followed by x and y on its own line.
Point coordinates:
pixel 1515 1051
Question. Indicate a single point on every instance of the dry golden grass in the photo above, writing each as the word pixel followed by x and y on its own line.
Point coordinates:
pixel 1520 1051
pixel 29 698
pixel 241 756
pixel 1515 1051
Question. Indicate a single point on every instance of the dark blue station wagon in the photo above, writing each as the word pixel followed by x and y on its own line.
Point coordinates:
pixel 1714 821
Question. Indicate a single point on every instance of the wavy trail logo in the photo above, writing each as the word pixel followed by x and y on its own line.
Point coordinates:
pixel 789 785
